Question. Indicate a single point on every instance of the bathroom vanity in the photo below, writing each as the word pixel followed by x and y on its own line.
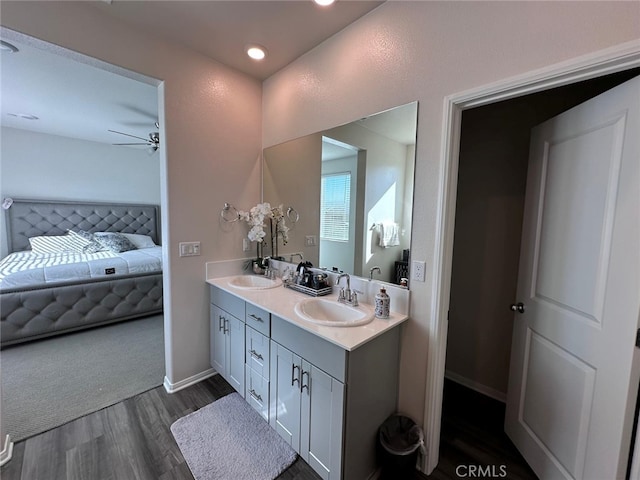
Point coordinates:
pixel 325 389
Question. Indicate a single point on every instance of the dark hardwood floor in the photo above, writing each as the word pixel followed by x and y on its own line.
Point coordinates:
pixel 132 440
pixel 472 435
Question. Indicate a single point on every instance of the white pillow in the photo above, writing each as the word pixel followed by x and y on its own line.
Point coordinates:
pixel 140 241
pixel 57 244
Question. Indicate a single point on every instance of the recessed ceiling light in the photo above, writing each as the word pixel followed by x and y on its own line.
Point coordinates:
pixel 7 47
pixel 324 3
pixel 25 116
pixel 257 52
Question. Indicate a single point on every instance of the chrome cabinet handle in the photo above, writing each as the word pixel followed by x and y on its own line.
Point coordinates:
pixel 221 321
pixel 226 325
pixel 253 393
pixel 294 379
pixel 303 386
pixel 256 317
pixel 255 354
pixel 517 307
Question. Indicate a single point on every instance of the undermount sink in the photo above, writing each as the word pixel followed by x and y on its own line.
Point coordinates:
pixel 330 312
pixel 254 282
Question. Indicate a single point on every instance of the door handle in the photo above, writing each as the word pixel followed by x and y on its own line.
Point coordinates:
pixel 221 321
pixel 255 354
pixel 226 325
pixel 517 307
pixel 303 386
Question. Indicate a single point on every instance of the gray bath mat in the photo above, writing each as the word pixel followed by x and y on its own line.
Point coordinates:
pixel 229 440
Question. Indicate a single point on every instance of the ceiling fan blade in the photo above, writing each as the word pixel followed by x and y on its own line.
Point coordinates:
pixel 128 135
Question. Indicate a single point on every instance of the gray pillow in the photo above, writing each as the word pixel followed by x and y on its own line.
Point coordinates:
pixel 114 242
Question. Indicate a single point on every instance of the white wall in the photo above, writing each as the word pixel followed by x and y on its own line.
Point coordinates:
pixel 210 118
pixel 386 162
pixel 406 51
pixel 40 166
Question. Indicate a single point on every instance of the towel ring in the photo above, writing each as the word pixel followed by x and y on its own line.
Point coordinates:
pixel 293 215
pixel 229 213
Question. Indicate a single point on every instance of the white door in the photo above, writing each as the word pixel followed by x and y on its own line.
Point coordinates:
pixel 574 366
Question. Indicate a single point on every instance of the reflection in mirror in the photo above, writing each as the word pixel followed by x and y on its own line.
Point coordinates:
pixel 353 188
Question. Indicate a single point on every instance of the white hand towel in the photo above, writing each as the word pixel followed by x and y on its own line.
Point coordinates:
pixel 389 235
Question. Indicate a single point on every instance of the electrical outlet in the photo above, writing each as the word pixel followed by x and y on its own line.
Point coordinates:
pixel 418 270
pixel 245 245
pixel 310 241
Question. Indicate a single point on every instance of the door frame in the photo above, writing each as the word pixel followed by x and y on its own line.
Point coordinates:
pixel 621 57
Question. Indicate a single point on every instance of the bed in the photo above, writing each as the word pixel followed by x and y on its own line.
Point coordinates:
pixel 45 294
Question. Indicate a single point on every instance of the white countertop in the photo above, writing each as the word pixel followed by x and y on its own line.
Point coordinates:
pixel 281 301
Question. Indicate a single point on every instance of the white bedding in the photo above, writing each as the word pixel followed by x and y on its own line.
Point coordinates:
pixel 27 268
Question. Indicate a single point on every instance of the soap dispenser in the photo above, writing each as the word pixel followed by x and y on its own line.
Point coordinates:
pixel 382 303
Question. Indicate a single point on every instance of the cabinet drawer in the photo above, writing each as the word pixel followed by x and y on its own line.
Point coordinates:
pixel 257 355
pixel 257 392
pixel 228 302
pixel 258 319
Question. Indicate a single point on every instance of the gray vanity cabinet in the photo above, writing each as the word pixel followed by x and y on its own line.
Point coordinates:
pixel 307 410
pixel 257 357
pixel 325 401
pixel 227 333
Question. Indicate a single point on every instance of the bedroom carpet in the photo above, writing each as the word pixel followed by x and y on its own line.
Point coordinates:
pixel 50 382
pixel 229 440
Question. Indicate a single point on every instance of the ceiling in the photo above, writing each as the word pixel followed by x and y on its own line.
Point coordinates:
pixel 222 29
pixel 78 100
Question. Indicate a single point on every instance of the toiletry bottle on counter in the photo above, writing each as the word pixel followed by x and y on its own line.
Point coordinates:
pixel 382 304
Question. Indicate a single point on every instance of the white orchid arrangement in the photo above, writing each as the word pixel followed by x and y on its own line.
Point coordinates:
pixel 256 218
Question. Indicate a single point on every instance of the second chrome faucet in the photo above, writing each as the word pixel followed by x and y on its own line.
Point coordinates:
pixel 346 294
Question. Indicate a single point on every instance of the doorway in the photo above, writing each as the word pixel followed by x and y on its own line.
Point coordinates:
pixel 65 157
pixel 493 160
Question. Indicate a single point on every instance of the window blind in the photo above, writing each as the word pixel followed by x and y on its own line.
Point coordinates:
pixel 335 201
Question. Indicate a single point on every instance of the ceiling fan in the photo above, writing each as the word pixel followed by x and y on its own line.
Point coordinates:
pixel 153 142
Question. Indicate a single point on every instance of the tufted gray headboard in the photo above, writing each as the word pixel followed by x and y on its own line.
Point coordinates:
pixel 31 218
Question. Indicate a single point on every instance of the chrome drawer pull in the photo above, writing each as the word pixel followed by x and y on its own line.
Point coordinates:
pixel 256 317
pixel 255 354
pixel 255 395
pixel 294 379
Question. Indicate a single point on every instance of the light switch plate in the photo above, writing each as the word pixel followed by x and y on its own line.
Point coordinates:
pixel 310 241
pixel 418 270
pixel 189 249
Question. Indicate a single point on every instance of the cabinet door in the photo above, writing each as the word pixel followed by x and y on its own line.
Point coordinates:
pixel 235 354
pixel 284 414
pixel 322 411
pixel 218 339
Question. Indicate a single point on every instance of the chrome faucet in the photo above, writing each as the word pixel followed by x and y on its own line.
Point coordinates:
pixel 266 265
pixel 346 294
pixel 297 254
pixel 376 268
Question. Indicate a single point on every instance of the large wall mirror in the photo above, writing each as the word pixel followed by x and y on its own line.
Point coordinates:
pixel 352 187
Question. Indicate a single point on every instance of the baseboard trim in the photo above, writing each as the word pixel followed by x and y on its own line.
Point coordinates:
pixel 7 451
pixel 478 387
pixel 187 382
